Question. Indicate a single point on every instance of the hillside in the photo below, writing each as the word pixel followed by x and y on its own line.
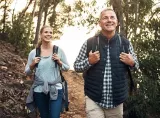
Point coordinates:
pixel 14 87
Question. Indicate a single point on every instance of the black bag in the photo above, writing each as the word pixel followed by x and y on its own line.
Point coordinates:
pixel 65 101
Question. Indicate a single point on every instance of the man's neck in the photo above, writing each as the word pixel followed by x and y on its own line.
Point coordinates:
pixel 109 35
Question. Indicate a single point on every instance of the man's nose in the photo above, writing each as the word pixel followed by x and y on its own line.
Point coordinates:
pixel 109 19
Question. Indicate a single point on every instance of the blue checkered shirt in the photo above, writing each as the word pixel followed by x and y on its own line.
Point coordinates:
pixel 81 64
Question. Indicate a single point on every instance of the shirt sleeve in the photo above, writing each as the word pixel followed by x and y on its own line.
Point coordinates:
pixel 28 71
pixel 131 51
pixel 65 64
pixel 81 63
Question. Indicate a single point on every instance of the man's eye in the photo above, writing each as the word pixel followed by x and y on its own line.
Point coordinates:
pixel 104 18
pixel 112 17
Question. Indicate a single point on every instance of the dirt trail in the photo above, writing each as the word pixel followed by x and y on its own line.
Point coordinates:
pixel 14 87
pixel 76 95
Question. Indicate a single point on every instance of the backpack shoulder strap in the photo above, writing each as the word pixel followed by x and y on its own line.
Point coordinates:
pixel 38 54
pixel 38 51
pixel 92 44
pixel 55 50
pixel 124 43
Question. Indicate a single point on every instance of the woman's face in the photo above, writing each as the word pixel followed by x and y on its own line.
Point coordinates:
pixel 46 34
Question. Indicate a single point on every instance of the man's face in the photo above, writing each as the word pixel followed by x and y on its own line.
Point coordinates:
pixel 108 21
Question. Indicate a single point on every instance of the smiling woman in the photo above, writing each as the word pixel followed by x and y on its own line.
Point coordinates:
pixel 73 37
pixel 46 92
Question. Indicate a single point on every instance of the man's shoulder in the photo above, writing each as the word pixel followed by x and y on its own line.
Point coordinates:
pixel 124 39
pixel 90 40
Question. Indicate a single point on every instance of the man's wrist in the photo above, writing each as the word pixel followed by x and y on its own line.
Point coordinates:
pixel 132 64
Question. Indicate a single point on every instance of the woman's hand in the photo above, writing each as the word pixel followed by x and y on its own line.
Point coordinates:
pixel 57 59
pixel 34 62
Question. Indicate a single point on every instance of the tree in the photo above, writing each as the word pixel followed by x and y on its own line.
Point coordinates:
pixel 5 14
pixel 42 2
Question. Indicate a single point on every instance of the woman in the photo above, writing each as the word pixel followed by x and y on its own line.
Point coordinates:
pixel 46 91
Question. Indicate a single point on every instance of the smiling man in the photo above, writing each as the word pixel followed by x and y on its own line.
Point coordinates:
pixel 105 59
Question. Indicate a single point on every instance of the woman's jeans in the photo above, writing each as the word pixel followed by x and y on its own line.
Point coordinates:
pixel 48 108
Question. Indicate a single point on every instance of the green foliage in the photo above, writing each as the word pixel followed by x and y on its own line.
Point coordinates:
pixel 21 34
pixel 142 28
pixel 145 103
pixel 84 14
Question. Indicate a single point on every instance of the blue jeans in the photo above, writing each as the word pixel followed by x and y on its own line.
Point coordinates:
pixel 48 108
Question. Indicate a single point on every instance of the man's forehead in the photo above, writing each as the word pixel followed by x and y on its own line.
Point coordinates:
pixel 108 12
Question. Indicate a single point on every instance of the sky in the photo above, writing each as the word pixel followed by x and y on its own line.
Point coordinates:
pixel 71 42
pixel 73 37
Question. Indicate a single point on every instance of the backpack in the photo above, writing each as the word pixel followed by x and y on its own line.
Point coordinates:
pixel 93 44
pixel 65 101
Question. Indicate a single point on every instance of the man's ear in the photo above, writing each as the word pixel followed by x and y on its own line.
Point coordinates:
pixel 118 23
pixel 99 23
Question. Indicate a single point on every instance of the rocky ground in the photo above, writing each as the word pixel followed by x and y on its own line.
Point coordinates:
pixel 14 87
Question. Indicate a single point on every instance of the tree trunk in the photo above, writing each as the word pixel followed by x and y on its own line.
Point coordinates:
pixel 117 6
pixel 31 19
pixel 126 15
pixel 46 11
pixel 39 21
pixel 25 9
pixel 136 10
pixel 4 16
pixel 34 8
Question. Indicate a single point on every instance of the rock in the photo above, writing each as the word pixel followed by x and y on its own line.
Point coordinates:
pixel 2 63
pixel 3 68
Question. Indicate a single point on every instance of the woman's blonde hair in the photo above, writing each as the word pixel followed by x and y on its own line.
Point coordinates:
pixel 41 30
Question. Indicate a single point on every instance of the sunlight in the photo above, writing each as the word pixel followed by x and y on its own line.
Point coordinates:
pixel 73 37
pixel 71 43
pixel 18 5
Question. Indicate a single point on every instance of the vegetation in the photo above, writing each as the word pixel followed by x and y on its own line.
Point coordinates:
pixel 139 22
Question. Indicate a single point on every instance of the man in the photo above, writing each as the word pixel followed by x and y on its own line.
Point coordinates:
pixel 106 67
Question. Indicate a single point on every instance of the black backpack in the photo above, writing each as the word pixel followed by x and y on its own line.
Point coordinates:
pixel 65 101
pixel 93 44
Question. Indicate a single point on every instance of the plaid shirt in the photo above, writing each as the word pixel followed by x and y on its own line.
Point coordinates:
pixel 81 64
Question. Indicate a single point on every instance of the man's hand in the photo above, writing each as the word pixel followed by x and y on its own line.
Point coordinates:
pixel 93 57
pixel 127 59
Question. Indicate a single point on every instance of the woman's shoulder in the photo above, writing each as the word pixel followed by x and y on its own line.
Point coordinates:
pixel 32 52
pixel 58 48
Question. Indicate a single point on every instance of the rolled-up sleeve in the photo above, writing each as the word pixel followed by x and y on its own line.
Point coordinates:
pixel 131 51
pixel 28 71
pixel 65 64
pixel 81 63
